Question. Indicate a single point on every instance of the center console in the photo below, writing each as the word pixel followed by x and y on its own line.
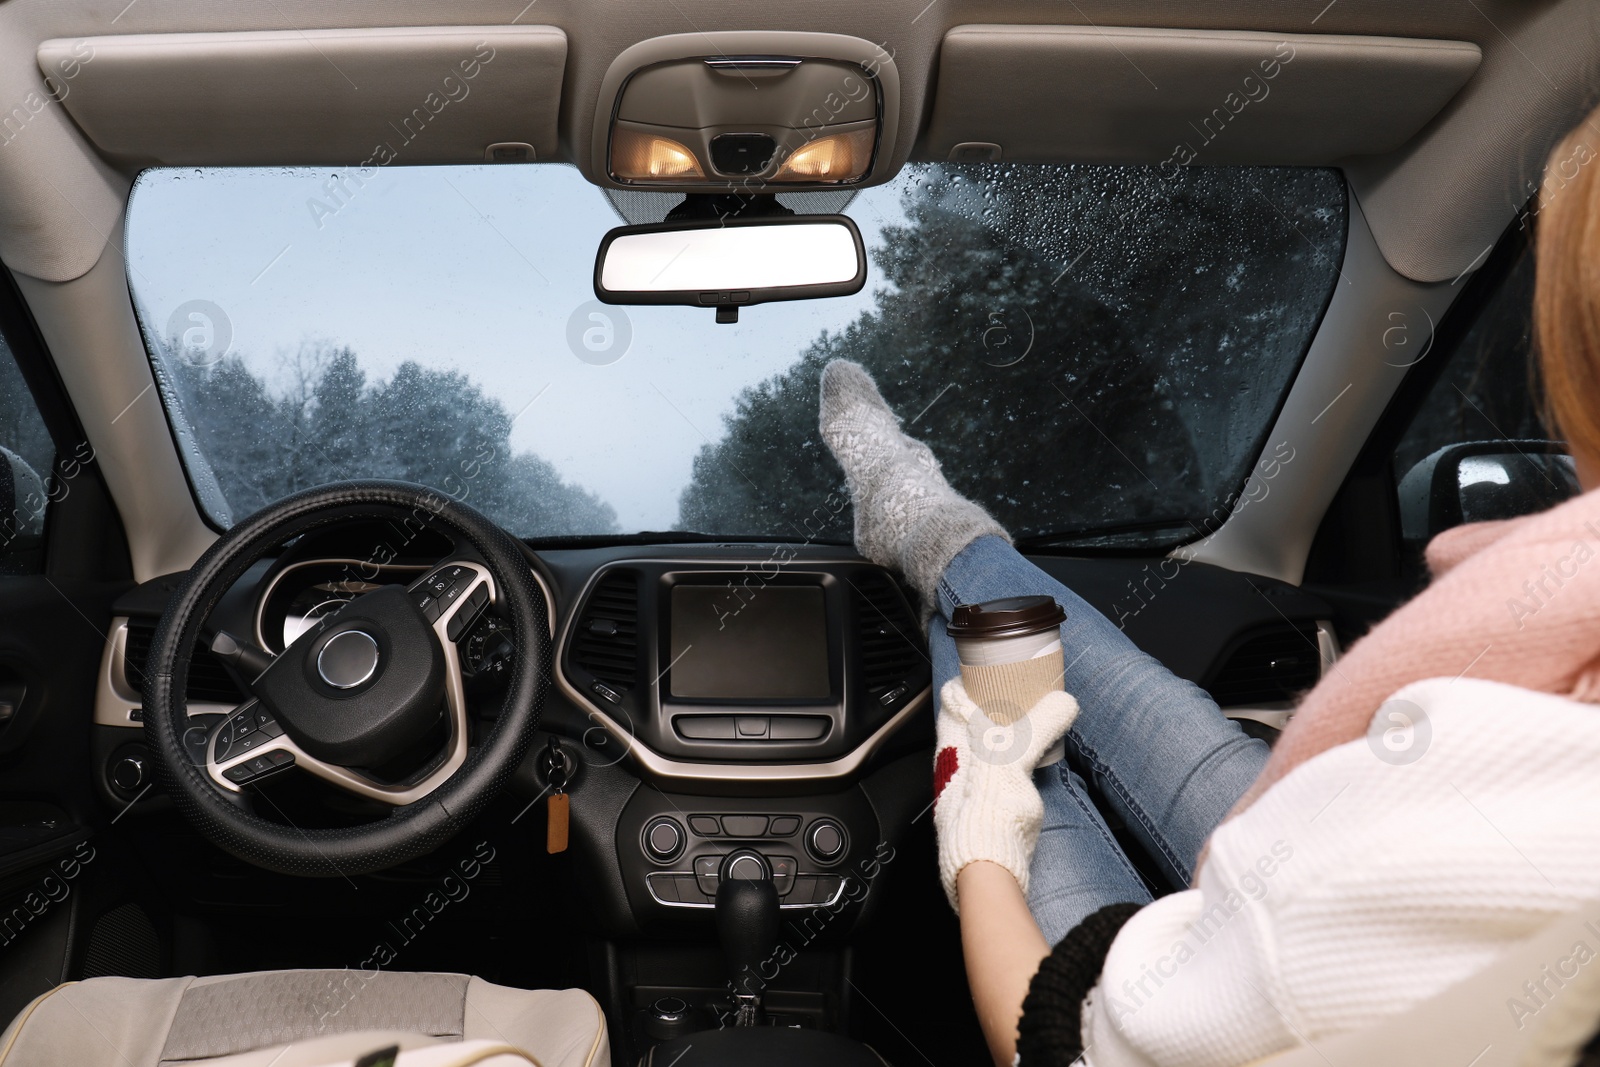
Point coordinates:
pixel 742 702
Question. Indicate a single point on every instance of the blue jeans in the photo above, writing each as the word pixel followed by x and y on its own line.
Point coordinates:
pixel 1147 746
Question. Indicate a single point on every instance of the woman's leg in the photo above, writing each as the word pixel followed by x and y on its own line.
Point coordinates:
pixel 1155 748
pixel 1078 867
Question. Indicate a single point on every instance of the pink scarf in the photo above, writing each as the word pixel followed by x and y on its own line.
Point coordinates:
pixel 1515 601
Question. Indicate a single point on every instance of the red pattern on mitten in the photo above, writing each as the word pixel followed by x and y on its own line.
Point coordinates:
pixel 945 765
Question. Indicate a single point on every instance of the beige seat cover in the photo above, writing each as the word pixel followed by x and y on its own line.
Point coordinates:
pixel 302 1019
pixel 1535 1006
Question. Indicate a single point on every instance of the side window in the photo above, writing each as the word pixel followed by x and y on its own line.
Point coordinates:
pixel 1477 448
pixel 27 457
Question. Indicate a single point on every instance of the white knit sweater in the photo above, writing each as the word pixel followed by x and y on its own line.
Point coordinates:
pixel 1357 886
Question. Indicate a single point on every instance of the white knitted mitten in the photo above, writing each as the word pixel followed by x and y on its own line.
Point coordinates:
pixel 985 805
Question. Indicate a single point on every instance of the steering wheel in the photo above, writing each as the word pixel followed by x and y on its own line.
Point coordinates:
pixel 356 700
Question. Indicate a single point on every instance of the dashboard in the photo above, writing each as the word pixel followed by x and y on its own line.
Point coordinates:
pixel 722 709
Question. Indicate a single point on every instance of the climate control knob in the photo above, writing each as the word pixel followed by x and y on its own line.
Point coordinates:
pixel 825 841
pixel 663 839
pixel 745 865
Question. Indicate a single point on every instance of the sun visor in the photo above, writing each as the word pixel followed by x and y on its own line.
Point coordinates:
pixel 432 94
pixel 1179 97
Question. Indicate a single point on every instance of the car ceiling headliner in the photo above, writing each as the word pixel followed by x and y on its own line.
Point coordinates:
pixel 1434 205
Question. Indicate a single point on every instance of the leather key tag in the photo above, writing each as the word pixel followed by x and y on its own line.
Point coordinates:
pixel 556 834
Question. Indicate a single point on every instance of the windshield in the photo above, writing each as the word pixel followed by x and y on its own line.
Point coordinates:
pixel 1093 352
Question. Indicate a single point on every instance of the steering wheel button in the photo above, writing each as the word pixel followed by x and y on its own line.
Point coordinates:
pixel 427 603
pixel 239 774
pixel 270 729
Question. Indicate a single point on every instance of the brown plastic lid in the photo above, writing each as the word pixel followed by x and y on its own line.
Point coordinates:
pixel 1014 616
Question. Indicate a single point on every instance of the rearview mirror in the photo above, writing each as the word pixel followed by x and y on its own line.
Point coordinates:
pixel 1478 481
pixel 731 264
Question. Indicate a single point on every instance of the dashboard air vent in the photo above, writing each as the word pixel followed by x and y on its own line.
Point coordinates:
pixel 606 639
pixel 1270 666
pixel 208 679
pixel 889 637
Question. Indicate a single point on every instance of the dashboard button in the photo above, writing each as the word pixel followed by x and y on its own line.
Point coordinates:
pixel 705 727
pixel 705 825
pixel 825 841
pixel 784 825
pixel 664 887
pixel 604 692
pixel 706 873
pixel 827 888
pixel 783 868
pixel 798 727
pixel 127 773
pixel 752 726
pixel 663 839
pixel 744 825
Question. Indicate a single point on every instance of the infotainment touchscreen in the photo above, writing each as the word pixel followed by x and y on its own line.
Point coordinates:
pixel 770 645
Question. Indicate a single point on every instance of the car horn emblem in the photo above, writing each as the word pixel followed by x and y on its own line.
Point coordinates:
pixel 348 659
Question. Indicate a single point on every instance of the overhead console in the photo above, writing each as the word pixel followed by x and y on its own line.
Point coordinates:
pixel 1179 97
pixel 793 670
pixel 354 97
pixel 746 111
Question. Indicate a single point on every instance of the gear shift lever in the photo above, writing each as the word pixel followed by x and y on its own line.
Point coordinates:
pixel 747 923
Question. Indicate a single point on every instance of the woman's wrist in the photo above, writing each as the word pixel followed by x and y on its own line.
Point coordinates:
pixel 1003 946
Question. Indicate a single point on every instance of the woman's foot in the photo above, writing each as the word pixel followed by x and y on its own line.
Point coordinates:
pixel 907 516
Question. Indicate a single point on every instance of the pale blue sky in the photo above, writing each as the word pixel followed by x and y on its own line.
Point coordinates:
pixel 476 269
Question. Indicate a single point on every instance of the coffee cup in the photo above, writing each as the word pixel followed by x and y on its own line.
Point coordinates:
pixel 1010 655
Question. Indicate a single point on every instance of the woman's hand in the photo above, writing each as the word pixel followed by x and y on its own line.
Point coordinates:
pixel 985 805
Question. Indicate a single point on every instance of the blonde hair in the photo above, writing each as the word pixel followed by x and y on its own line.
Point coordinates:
pixel 1566 293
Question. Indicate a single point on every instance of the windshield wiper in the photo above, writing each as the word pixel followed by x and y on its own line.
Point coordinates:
pixel 1088 533
pixel 670 537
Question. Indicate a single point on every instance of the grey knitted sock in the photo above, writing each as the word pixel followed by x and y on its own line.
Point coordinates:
pixel 907 516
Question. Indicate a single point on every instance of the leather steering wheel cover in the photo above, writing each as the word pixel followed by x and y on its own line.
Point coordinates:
pixel 408 831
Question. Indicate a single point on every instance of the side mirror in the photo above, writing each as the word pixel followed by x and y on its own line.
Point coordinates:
pixel 22 502
pixel 731 264
pixel 1478 481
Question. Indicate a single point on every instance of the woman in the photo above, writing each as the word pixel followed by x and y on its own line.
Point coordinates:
pixel 1351 879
